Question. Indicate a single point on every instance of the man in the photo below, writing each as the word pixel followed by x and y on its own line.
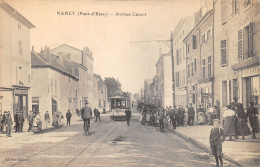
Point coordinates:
pixel 86 114
pixel 16 121
pixel 172 117
pixel 161 117
pixel 47 118
pixel 30 119
pixel 191 114
pixel 252 113
pixel 128 115
pixel 181 116
pixel 20 121
pixel 68 116
pixel 8 123
pixel 97 115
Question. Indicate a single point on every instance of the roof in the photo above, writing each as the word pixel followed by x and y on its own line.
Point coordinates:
pixel 39 61
pixel 67 46
pixel 205 17
pixel 118 94
pixel 14 13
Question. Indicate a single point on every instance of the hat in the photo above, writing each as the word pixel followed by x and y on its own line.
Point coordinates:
pixel 216 120
pixel 86 102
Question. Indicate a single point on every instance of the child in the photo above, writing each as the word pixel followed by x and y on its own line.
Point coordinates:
pixel 216 138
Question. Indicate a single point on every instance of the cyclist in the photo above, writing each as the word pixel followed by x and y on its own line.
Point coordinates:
pixel 86 114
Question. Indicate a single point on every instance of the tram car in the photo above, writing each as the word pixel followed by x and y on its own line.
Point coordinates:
pixel 119 102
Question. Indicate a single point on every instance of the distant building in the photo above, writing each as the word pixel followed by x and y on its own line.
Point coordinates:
pixel 85 61
pixel 164 80
pixel 54 83
pixel 100 94
pixel 199 43
pixel 182 29
pixel 15 61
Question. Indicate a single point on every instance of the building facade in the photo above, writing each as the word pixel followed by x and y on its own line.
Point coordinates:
pixel 100 94
pixel 54 83
pixel 164 77
pixel 15 64
pixel 182 29
pixel 85 61
pixel 237 51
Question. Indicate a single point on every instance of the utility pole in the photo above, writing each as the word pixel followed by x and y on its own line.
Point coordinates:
pixel 172 57
pixel 173 83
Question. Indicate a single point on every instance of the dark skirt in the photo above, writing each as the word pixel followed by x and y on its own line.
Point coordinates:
pixel 242 128
pixel 229 126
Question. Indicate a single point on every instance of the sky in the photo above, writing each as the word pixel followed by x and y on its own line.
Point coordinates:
pixel 114 40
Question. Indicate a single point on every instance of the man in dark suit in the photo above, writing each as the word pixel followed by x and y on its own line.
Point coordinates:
pixel 128 115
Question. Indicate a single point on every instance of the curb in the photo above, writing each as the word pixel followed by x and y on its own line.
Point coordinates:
pixel 204 147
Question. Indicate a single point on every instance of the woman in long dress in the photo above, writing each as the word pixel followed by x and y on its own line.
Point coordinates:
pixel 229 122
pixel 241 126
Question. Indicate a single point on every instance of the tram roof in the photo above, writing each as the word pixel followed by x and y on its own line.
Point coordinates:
pixel 118 97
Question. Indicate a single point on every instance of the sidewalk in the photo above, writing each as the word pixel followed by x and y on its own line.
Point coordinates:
pixel 243 152
pixel 15 136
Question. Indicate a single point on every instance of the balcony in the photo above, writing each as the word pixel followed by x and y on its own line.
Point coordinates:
pixel 247 63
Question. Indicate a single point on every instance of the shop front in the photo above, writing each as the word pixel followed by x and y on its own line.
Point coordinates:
pixel 21 101
pixel 251 86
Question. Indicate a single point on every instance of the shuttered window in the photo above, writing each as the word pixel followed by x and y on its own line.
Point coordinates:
pixel 247 42
pixel 240 44
pixel 203 68
pixel 224 52
pixel 224 11
pixel 194 40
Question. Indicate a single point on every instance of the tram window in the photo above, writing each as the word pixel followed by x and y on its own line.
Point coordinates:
pixel 123 103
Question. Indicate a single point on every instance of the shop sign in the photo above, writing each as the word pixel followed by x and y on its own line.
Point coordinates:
pixel 21 91
pixel 251 71
pixel 206 95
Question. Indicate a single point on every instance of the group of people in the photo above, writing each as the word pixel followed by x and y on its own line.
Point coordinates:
pixel 235 120
pixel 176 116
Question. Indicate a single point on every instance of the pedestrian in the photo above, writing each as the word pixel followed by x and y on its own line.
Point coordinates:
pixel 241 126
pixel 229 122
pixel 68 116
pixel 16 121
pixel 97 115
pixel 128 115
pixel 216 138
pixel 161 117
pixel 30 119
pixel 47 118
pixel 8 124
pixel 3 127
pixel 252 113
pixel 20 121
pixel 95 112
pixel 181 115
pixel 191 114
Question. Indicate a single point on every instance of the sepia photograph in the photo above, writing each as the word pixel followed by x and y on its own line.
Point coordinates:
pixel 129 83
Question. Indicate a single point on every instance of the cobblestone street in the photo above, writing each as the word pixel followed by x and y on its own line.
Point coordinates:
pixel 111 144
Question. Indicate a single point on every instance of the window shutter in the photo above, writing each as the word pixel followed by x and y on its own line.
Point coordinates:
pixel 250 49
pixel 224 11
pixel 240 44
pixel 223 52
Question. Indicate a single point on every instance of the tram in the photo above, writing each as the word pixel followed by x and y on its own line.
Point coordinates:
pixel 119 102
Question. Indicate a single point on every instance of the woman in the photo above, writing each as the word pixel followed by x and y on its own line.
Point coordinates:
pixel 252 113
pixel 241 126
pixel 229 122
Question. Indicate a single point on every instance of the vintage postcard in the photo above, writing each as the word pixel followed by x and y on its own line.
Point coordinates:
pixel 129 83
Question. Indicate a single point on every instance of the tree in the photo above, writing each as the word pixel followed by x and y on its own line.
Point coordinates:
pixel 112 86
